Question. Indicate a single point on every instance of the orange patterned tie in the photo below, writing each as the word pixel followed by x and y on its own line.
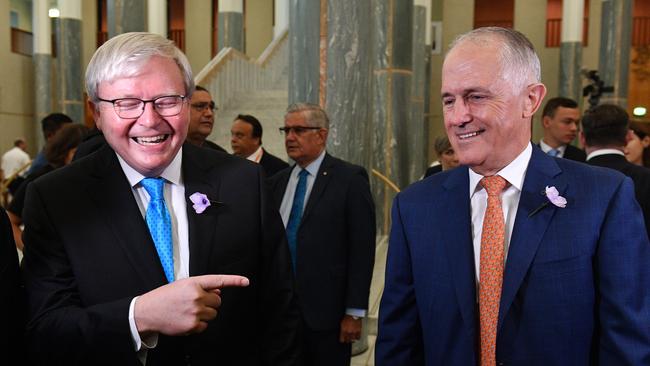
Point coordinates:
pixel 491 268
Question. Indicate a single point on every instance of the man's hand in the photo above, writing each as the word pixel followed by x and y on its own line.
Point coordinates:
pixel 184 306
pixel 350 329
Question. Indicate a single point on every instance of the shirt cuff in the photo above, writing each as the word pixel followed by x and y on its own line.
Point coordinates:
pixel 140 344
pixel 359 313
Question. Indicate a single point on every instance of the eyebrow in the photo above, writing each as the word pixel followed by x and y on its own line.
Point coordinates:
pixel 467 91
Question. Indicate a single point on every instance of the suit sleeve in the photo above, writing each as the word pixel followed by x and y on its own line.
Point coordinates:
pixel 361 236
pixel 61 330
pixel 12 299
pixel 278 305
pixel 623 280
pixel 399 338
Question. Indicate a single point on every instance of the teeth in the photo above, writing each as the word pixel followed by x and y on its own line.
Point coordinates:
pixel 150 140
pixel 468 135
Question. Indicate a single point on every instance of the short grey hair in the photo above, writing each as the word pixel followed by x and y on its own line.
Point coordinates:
pixel 519 62
pixel 125 55
pixel 315 116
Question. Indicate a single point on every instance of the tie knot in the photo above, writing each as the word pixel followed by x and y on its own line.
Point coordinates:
pixel 154 186
pixel 493 184
pixel 303 173
pixel 553 152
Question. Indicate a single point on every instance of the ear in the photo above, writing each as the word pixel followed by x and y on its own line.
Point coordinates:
pixel 96 114
pixel 583 140
pixel 535 95
pixel 323 135
pixel 645 141
pixel 546 121
pixel 629 136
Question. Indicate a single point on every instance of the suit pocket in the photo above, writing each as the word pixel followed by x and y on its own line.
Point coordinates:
pixel 562 267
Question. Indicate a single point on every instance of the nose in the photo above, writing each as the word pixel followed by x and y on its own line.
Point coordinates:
pixel 149 116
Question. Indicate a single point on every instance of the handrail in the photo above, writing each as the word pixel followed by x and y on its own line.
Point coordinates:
pixel 231 72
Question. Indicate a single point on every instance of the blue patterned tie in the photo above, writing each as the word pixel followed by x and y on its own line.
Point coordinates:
pixel 553 152
pixel 160 224
pixel 296 214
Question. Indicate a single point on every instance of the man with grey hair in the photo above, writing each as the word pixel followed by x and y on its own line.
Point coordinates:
pixel 514 258
pixel 329 215
pixel 132 251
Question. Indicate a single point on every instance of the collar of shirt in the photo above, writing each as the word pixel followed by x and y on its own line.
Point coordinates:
pixel 514 172
pixel 257 155
pixel 599 152
pixel 171 174
pixel 313 167
pixel 546 148
pixel 287 199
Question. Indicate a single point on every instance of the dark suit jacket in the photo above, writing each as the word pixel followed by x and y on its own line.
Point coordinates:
pixel 335 242
pixel 575 286
pixel 211 145
pixel 271 163
pixel 89 252
pixel 12 304
pixel 574 153
pixel 639 175
pixel 433 170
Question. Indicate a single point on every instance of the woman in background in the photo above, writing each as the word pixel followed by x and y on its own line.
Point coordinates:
pixel 637 151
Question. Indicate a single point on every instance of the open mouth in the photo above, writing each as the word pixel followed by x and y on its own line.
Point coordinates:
pixel 469 135
pixel 151 140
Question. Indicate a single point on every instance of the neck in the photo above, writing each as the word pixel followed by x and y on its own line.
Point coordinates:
pixel 590 149
pixel 552 143
pixel 194 140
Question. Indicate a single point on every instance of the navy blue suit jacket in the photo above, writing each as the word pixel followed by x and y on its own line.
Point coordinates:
pixel 576 281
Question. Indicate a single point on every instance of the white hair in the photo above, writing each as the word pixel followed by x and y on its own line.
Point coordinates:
pixel 315 116
pixel 520 64
pixel 125 55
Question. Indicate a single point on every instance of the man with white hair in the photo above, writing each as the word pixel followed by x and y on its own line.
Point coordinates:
pixel 131 251
pixel 514 258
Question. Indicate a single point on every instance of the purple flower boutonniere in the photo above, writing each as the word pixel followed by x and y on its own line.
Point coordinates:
pixel 201 202
pixel 554 196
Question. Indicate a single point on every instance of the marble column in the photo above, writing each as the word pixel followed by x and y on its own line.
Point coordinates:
pixel 304 51
pixel 347 90
pixel 231 24
pixel 125 16
pixel 614 57
pixel 70 67
pixel 428 44
pixel 42 66
pixel 392 75
pixel 571 49
pixel 157 17
pixel 418 128
pixel 281 20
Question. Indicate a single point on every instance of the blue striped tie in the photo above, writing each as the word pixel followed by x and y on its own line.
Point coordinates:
pixel 160 224
pixel 296 214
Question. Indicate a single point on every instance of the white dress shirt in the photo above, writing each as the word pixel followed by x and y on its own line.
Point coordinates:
pixel 174 193
pixel 514 173
pixel 13 160
pixel 599 152
pixel 257 155
pixel 546 148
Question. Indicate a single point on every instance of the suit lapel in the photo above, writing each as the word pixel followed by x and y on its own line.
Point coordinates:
pixel 114 197
pixel 457 238
pixel 321 180
pixel 201 226
pixel 534 214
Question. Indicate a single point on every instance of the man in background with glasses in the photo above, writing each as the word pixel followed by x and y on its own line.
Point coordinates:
pixel 329 215
pixel 202 119
pixel 151 250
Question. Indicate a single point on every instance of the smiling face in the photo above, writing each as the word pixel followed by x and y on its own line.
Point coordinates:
pixel 150 142
pixel 486 118
pixel 562 128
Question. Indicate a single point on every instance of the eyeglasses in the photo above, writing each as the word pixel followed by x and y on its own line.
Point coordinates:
pixel 200 107
pixel 298 130
pixel 129 108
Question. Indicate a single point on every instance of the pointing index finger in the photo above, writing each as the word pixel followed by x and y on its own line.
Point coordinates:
pixel 212 282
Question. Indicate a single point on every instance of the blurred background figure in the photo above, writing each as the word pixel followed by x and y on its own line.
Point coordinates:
pixel 636 150
pixel 560 121
pixel 14 166
pixel 50 125
pixel 202 119
pixel 447 158
pixel 59 152
pixel 246 142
